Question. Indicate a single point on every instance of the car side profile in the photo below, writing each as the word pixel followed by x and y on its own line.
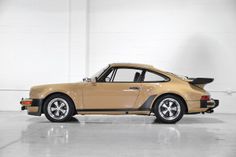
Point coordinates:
pixel 123 88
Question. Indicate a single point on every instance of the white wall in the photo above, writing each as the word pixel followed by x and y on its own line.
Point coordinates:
pixel 41 42
pixel 50 41
pixel 193 38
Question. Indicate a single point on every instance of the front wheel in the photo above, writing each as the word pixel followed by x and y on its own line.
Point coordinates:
pixel 58 108
pixel 169 109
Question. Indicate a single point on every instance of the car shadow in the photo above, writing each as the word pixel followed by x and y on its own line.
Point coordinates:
pixel 73 120
pixel 192 120
pixel 132 119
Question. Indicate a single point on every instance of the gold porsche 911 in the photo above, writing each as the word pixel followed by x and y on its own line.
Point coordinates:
pixel 123 88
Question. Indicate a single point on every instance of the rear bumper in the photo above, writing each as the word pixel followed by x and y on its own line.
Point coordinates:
pixel 33 106
pixel 211 104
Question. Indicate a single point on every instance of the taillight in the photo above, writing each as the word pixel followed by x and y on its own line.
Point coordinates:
pixel 205 97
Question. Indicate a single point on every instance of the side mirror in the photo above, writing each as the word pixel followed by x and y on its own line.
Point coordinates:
pixel 107 79
pixel 86 79
pixel 94 80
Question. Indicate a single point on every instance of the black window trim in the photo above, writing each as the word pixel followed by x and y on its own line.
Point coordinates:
pixel 101 77
pixel 113 74
pixel 103 73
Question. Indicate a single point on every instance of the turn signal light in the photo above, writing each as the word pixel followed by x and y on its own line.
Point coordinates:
pixel 26 103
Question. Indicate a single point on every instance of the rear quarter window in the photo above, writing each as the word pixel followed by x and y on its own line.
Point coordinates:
pixel 153 77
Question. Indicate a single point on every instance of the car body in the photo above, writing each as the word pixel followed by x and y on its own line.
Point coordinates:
pixel 123 88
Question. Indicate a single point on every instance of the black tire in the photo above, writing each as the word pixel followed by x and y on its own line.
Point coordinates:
pixel 169 109
pixel 58 103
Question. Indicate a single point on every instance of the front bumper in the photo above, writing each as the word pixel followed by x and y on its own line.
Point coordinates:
pixel 210 104
pixel 33 106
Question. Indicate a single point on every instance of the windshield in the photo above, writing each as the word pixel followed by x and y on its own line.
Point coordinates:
pixel 97 74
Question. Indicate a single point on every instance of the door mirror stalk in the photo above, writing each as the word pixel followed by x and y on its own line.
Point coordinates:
pixel 86 79
pixel 92 80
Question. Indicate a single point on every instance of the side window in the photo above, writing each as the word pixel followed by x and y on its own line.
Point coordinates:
pixel 127 75
pixel 152 77
pixel 109 76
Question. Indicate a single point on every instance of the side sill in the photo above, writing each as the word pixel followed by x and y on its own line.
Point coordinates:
pixel 111 110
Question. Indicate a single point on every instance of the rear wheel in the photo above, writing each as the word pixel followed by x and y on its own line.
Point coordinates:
pixel 58 108
pixel 169 109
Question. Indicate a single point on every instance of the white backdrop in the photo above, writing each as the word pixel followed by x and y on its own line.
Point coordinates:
pixel 63 40
pixel 41 41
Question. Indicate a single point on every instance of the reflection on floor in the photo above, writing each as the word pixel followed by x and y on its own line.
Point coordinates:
pixel 128 135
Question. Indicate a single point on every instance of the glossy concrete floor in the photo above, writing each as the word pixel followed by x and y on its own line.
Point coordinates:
pixel 211 135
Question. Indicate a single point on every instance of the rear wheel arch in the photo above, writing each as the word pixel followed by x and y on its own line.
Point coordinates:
pixel 180 97
pixel 59 93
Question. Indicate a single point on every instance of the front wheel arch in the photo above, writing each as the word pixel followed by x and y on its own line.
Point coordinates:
pixel 49 95
pixel 154 102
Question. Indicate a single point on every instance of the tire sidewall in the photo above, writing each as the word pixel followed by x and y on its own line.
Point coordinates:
pixel 70 104
pixel 160 118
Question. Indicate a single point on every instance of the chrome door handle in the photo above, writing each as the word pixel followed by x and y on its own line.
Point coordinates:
pixel 134 88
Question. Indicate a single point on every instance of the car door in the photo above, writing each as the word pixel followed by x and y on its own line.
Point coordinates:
pixel 118 89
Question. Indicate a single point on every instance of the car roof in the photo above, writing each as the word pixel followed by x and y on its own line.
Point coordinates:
pixel 134 65
pixel 137 65
pixel 142 66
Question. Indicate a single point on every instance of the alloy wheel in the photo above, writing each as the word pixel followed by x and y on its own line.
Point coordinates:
pixel 169 109
pixel 58 108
